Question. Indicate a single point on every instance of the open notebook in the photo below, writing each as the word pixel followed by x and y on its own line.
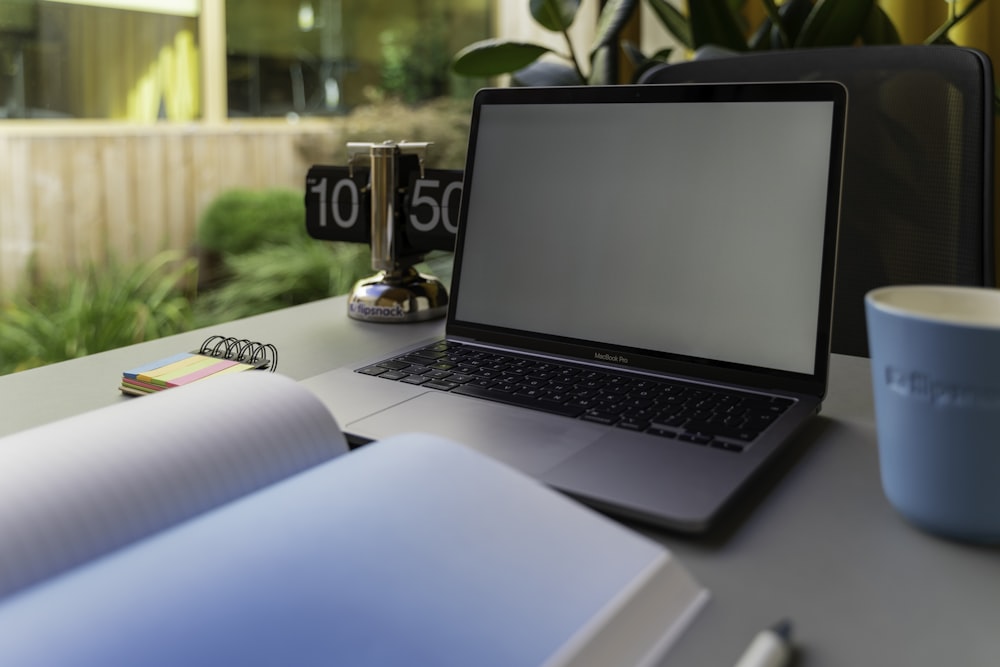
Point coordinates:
pixel 641 298
pixel 225 523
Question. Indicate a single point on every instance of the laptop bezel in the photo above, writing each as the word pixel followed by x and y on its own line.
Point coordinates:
pixel 640 361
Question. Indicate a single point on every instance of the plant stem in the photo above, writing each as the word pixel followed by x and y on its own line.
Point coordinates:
pixel 954 17
pixel 572 55
pixel 772 13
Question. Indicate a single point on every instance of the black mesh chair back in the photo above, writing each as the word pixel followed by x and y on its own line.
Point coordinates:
pixel 918 169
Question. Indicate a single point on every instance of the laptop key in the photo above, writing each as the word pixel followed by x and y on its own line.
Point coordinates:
pixel 514 399
pixel 633 424
pixel 531 392
pixel 442 366
pixel 394 365
pixel 670 422
pixel 599 417
pixel 428 354
pixel 727 446
pixel 763 406
pixel 720 430
pixel 443 385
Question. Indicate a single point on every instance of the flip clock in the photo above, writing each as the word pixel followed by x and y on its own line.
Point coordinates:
pixel 385 197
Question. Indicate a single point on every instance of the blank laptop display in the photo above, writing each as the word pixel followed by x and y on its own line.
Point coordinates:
pixel 620 248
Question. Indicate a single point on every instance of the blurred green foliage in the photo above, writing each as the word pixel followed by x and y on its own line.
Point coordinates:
pixel 268 262
pixel 261 257
pixel 706 26
pixel 105 307
pixel 278 275
pixel 241 220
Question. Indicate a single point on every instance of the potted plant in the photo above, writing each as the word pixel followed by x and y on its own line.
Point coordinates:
pixel 708 27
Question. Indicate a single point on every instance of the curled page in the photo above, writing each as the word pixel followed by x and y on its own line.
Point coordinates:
pixel 81 487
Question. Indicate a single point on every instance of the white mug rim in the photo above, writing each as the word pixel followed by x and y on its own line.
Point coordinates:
pixel 945 304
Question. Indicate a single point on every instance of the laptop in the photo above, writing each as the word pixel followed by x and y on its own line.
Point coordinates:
pixel 641 298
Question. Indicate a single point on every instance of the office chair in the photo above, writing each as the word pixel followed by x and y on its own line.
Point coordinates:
pixel 918 169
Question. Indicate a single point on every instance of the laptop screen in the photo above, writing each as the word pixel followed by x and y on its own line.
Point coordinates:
pixel 694 229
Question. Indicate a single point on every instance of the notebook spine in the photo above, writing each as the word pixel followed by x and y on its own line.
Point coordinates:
pixel 264 355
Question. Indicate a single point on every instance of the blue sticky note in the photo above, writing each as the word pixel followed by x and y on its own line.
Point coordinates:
pixel 145 368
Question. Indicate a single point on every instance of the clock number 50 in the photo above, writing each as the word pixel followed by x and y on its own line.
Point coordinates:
pixel 438 212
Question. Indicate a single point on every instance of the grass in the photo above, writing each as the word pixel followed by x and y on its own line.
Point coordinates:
pixel 111 306
pixel 280 275
pixel 104 308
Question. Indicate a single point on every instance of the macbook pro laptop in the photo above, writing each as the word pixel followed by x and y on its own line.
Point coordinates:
pixel 641 299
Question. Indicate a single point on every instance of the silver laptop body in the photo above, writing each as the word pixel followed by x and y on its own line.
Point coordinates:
pixel 646 233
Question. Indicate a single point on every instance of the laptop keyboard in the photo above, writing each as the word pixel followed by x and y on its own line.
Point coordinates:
pixel 720 418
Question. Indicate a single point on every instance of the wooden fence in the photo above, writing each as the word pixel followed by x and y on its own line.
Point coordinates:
pixel 72 194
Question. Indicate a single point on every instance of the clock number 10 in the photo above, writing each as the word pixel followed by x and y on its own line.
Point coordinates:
pixel 344 195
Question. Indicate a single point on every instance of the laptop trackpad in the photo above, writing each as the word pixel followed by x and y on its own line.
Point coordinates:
pixel 528 440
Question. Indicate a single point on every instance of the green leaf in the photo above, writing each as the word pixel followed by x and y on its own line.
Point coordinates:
pixel 673 20
pixel 634 54
pixel 771 10
pixel 554 15
pixel 491 57
pixel 603 67
pixel 879 28
pixel 640 62
pixel 790 17
pixel 544 73
pixel 713 22
pixel 711 52
pixel 834 23
pixel 770 34
pixel 662 56
pixel 614 16
pixel 761 39
pixel 793 16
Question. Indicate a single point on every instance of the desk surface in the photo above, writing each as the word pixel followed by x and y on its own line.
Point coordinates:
pixel 815 541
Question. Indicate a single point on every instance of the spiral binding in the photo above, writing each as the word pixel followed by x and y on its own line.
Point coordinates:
pixel 263 355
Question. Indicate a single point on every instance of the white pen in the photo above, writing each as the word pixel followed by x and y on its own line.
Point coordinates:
pixel 770 648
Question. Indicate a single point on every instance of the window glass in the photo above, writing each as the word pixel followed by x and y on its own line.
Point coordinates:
pixel 142 141
pixel 141 60
pixel 328 56
pixel 92 61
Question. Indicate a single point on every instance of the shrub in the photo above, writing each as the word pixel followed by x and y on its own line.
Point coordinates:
pixel 106 307
pixel 280 275
pixel 239 220
pixel 263 259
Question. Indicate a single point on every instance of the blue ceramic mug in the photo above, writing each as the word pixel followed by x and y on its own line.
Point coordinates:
pixel 935 359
